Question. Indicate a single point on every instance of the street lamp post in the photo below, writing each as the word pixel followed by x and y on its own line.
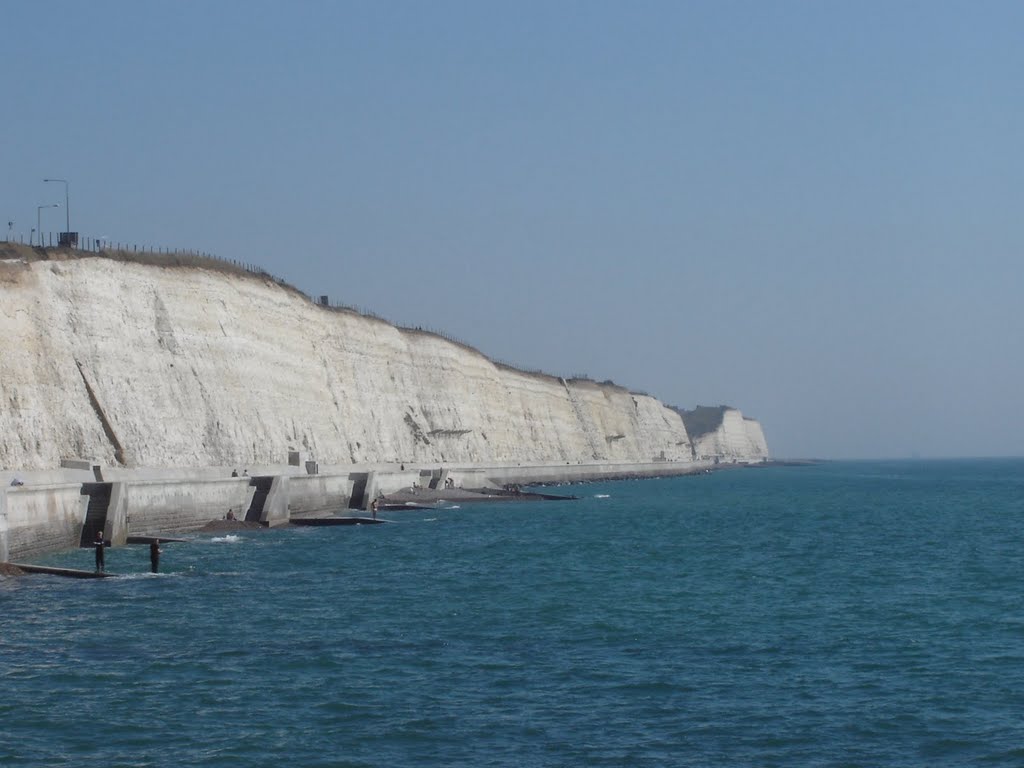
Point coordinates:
pixel 39 219
pixel 67 206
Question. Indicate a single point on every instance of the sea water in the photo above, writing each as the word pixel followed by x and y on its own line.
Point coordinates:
pixel 842 614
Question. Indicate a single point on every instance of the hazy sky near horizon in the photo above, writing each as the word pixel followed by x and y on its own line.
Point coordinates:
pixel 809 210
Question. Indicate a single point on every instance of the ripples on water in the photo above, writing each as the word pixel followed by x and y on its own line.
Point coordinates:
pixel 844 614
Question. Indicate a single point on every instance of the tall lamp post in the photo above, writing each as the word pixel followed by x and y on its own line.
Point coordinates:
pixel 67 207
pixel 39 219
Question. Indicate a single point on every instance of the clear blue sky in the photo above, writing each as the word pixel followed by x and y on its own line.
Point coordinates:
pixel 809 210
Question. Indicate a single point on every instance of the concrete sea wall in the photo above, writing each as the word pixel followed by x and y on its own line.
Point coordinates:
pixel 38 519
pixel 315 495
pixel 168 506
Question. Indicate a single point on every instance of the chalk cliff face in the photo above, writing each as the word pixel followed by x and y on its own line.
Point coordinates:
pixel 142 365
pixel 724 433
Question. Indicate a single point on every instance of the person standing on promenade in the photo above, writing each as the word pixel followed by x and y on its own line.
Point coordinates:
pixel 154 555
pixel 373 508
pixel 99 543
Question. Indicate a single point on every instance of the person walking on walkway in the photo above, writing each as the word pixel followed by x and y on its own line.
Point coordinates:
pixel 154 555
pixel 99 543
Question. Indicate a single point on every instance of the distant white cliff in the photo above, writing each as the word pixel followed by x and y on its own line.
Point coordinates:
pixel 724 433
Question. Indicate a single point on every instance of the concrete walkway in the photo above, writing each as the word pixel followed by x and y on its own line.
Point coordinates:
pixel 71 573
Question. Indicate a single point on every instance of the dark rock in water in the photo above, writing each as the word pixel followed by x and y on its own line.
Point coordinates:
pixel 219 526
pixel 6 569
pixel 423 498
pixel 336 520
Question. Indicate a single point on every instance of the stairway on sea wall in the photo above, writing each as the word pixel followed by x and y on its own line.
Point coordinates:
pixel 259 498
pixel 96 512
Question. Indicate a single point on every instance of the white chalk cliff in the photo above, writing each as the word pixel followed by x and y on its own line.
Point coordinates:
pixel 141 365
pixel 724 433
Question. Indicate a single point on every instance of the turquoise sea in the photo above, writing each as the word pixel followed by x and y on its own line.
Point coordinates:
pixel 842 614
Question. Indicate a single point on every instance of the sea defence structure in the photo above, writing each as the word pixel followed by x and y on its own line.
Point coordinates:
pixel 146 384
